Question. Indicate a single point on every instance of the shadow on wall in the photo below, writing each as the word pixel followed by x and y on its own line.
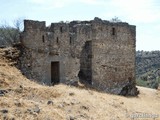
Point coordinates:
pixel 85 73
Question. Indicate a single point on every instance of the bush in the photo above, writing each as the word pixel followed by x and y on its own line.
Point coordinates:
pixel 9 35
pixel 140 82
pixel 150 84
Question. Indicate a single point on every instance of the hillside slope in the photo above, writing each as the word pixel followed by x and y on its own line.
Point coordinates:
pixel 21 98
pixel 148 68
pixel 147 61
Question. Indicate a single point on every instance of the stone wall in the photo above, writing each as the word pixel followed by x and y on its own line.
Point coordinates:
pixel 85 73
pixel 113 62
pixel 97 52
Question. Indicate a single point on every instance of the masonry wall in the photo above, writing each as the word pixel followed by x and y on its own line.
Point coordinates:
pixel 58 42
pixel 113 62
pixel 96 52
pixel 85 73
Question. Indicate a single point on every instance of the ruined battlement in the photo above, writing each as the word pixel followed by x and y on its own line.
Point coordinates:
pixel 68 27
pixel 31 24
pixel 97 52
pixel 93 29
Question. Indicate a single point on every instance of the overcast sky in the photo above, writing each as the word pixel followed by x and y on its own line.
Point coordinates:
pixel 145 14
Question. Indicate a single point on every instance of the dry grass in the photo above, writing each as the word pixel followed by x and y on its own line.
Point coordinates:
pixel 24 96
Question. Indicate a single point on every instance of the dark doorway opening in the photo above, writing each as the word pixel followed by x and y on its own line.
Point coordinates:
pixel 55 73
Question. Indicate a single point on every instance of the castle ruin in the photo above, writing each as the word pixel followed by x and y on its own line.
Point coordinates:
pixel 96 52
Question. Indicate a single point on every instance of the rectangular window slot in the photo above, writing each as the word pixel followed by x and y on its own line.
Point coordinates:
pixel 113 31
pixel 57 40
pixel 43 40
pixel 70 40
pixel 61 29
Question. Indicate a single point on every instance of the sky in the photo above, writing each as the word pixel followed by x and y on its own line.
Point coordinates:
pixel 145 14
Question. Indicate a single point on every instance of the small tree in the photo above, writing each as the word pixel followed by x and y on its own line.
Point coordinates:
pixel 10 35
pixel 18 24
pixel 115 20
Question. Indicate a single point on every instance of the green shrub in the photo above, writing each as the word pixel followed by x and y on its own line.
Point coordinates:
pixel 140 82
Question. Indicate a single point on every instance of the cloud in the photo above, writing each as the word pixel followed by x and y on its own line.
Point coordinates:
pixel 93 2
pixel 37 1
pixel 49 4
pixel 137 10
pixel 63 3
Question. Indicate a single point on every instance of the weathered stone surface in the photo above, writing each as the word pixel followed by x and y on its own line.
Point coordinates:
pixel 36 109
pixel 4 111
pixel 50 102
pixel 97 52
pixel 3 92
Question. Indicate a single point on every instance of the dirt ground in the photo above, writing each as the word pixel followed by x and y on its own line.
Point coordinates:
pixel 22 99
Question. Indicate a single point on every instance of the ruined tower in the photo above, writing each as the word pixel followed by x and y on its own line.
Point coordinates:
pixel 96 52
